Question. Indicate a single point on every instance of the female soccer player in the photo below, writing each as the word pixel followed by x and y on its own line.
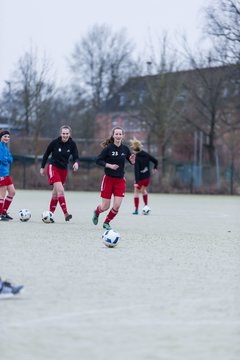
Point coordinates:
pixel 142 172
pixel 6 184
pixel 61 149
pixel 112 158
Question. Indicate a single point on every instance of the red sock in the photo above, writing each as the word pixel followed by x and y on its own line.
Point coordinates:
pixel 1 205
pixel 145 199
pixel 62 203
pixel 136 202
pixel 7 202
pixel 111 215
pixel 53 204
pixel 98 210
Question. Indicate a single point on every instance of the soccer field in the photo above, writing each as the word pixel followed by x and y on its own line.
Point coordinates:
pixel 170 290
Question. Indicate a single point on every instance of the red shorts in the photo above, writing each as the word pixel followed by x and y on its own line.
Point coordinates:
pixel 5 181
pixel 56 175
pixel 112 186
pixel 144 182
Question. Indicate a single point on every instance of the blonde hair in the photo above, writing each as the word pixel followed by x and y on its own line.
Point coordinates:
pixel 135 144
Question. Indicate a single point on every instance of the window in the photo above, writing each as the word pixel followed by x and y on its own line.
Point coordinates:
pixel 115 120
pixel 122 99
pixel 141 96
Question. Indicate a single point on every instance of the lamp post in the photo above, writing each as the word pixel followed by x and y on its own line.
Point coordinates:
pixel 9 106
pixel 149 65
pixel 9 103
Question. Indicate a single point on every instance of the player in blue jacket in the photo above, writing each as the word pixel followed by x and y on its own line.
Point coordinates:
pixel 7 190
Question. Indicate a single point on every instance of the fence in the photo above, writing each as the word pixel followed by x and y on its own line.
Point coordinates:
pixel 178 178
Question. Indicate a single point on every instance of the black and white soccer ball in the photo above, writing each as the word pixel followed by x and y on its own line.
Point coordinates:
pixel 47 217
pixel 146 210
pixel 24 215
pixel 110 238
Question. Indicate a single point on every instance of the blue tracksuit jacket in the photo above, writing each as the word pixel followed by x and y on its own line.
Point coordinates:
pixel 5 160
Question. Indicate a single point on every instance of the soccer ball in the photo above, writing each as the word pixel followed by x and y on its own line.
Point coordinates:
pixel 47 217
pixel 24 215
pixel 110 238
pixel 146 210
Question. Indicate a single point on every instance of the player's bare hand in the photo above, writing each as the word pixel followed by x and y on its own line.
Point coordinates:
pixel 42 171
pixel 112 166
pixel 132 158
pixel 75 166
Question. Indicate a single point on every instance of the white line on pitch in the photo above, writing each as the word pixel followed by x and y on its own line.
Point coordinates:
pixel 137 322
pixel 70 315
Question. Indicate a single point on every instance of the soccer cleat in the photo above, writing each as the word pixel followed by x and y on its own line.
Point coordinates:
pixel 95 218
pixel 107 226
pixel 68 217
pixel 135 212
pixel 8 290
pixel 8 216
pixel 3 218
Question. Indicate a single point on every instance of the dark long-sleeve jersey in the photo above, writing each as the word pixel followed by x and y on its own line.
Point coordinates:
pixel 142 165
pixel 61 152
pixel 113 154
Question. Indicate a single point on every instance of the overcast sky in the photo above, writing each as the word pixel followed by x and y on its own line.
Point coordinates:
pixel 55 26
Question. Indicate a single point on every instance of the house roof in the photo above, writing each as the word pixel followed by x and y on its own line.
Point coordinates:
pixel 129 95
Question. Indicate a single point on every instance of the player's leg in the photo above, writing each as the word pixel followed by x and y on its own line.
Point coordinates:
pixel 53 177
pixel 7 201
pixel 136 199
pixel 113 212
pixel 53 201
pixel 105 205
pixel 119 187
pixel 144 195
pixel 61 197
pixel 57 178
pixel 58 186
pixel 3 190
pixel 106 194
pixel 59 190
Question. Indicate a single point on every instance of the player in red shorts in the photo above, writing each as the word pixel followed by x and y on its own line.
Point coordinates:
pixel 112 158
pixel 61 149
pixel 6 184
pixel 142 172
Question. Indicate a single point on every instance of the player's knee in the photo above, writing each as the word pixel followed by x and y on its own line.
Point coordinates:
pixel 60 193
pixel 12 193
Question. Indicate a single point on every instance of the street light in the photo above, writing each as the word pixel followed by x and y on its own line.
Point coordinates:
pixel 9 102
pixel 9 106
pixel 149 65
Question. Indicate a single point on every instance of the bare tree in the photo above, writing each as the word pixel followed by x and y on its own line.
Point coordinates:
pixel 70 107
pixel 35 89
pixel 159 111
pixel 205 84
pixel 33 93
pixel 101 62
pixel 230 129
pixel 223 26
